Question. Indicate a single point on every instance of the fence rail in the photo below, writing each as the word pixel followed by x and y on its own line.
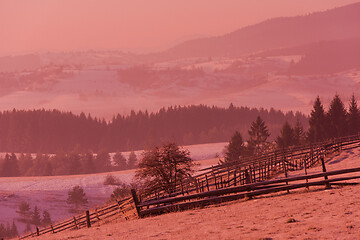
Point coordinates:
pixel 250 174
pixel 257 169
pixel 243 191
pixel 230 181
pixel 122 208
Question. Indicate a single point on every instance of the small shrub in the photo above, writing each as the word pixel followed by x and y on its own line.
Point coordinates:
pixel 24 209
pixel 120 192
pixel 111 180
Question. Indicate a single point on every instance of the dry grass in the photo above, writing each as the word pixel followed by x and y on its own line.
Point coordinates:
pixel 303 214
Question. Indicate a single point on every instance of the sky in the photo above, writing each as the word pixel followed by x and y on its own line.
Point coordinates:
pixel 133 25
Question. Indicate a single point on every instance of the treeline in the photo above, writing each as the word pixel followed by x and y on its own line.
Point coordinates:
pixel 54 131
pixel 32 217
pixel 64 164
pixel 8 231
pixel 336 122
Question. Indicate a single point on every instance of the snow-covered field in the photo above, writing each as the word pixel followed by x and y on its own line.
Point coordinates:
pixel 197 152
pixel 50 193
pixel 253 82
pixel 302 214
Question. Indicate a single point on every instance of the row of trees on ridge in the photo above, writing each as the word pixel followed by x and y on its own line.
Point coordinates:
pixel 334 123
pixel 53 131
pixel 64 164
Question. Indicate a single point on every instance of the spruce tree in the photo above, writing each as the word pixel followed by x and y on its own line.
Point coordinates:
pixel 120 161
pixel 103 163
pixel 25 163
pixel 353 117
pixel 35 218
pixel 2 230
pixel 258 135
pixel 317 122
pixel 132 161
pixel 75 164
pixel 15 172
pixel 14 230
pixel 337 118
pixel 89 163
pixel 298 133
pixel 46 218
pixel 286 137
pixel 77 197
pixel 8 230
pixel 10 166
pixel 235 148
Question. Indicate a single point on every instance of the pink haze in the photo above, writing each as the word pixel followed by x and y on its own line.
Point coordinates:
pixel 136 25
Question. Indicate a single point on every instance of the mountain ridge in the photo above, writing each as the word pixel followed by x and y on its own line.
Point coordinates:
pixel 337 23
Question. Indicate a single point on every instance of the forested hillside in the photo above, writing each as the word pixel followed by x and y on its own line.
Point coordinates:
pixel 51 131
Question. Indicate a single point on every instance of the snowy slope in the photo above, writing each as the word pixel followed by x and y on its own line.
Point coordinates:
pixel 50 193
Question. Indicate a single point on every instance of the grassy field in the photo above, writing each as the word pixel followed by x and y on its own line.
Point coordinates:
pixel 302 214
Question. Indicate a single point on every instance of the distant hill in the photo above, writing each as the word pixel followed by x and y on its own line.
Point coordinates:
pixel 329 57
pixel 325 57
pixel 338 23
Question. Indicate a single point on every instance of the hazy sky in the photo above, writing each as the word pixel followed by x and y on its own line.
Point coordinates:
pixel 143 25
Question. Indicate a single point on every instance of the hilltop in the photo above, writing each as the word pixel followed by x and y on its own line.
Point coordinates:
pixel 338 23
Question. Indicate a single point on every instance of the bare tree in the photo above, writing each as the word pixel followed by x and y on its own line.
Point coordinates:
pixel 162 168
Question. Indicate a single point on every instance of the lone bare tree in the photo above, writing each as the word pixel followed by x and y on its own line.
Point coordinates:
pixel 162 168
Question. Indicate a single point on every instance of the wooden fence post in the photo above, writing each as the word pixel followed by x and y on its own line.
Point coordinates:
pixel 52 228
pixel 196 185
pixel 274 163
pixel 254 173
pixel 37 231
pixel 77 227
pixel 136 202
pixel 235 177
pixel 327 185
pixel 228 178
pixel 88 223
pixel 307 180
pixel 247 177
pixel 97 214
pixel 216 186
pixel 259 171
pixel 207 183
pixel 285 170
pixel 182 188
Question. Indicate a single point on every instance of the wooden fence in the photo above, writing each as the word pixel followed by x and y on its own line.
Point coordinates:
pixel 121 209
pixel 255 169
pixel 225 182
pixel 152 207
